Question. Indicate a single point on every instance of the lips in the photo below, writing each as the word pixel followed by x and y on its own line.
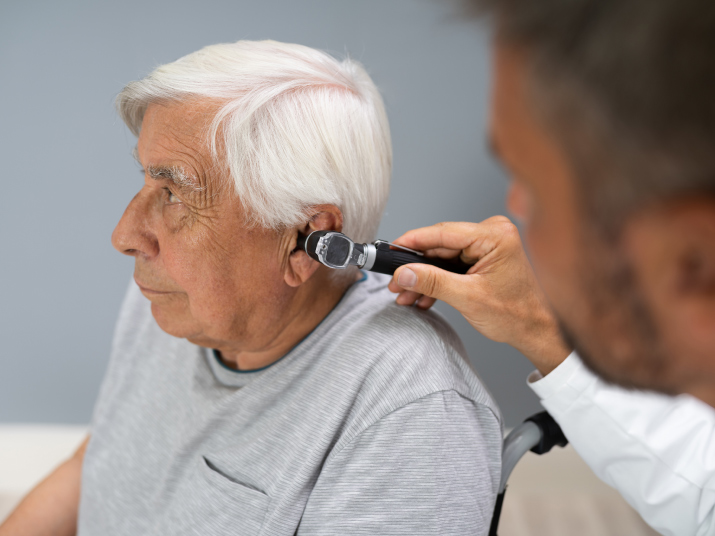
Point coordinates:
pixel 149 290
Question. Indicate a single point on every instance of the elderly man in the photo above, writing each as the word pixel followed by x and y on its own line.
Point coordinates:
pixel 250 390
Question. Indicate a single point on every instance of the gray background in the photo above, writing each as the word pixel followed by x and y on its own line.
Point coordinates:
pixel 68 171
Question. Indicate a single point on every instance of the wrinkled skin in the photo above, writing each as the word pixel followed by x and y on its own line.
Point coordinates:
pixel 210 277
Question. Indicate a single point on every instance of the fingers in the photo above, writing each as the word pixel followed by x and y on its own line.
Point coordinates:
pixel 404 297
pixel 425 302
pixel 499 295
pixel 407 297
pixel 423 284
pixel 495 242
pixel 448 239
pixel 442 253
pixel 449 235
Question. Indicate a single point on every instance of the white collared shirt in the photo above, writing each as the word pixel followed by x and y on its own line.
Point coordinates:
pixel 657 451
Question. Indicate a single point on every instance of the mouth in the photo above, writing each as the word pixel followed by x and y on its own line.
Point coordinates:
pixel 148 290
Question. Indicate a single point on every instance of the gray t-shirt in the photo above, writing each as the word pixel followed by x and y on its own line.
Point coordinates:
pixel 373 424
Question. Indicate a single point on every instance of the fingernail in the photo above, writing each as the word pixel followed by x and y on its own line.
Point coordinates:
pixel 407 279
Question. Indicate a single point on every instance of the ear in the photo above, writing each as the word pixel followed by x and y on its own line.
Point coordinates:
pixel 300 267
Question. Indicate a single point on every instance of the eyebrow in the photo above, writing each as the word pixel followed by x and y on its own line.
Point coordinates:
pixel 174 174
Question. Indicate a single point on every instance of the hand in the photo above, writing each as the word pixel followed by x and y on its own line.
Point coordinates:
pixel 499 296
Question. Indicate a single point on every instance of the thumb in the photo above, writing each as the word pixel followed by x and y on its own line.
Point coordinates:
pixel 431 281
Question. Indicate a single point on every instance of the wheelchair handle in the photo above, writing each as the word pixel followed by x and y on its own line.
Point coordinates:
pixel 538 434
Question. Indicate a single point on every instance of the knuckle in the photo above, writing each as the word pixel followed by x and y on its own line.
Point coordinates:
pixel 430 285
pixel 498 219
pixel 508 229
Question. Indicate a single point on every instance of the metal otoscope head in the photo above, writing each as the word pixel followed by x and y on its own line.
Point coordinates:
pixel 333 249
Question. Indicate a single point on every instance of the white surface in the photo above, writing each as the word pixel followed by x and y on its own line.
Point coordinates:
pixel 28 453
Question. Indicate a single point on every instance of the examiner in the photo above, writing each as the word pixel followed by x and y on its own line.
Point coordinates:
pixel 603 112
pixel 250 389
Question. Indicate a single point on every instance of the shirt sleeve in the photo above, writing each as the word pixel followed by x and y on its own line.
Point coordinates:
pixel 657 451
pixel 430 467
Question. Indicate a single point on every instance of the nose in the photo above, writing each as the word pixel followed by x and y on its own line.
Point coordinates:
pixel 133 235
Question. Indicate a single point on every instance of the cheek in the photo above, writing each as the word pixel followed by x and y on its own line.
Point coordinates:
pixel 223 281
pixel 199 270
pixel 541 251
pixel 554 249
pixel 551 228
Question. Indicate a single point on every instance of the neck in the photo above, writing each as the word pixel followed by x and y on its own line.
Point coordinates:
pixel 312 302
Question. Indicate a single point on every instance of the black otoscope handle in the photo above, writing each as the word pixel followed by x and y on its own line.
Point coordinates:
pixel 388 260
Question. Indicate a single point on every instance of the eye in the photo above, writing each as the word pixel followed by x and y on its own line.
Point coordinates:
pixel 171 198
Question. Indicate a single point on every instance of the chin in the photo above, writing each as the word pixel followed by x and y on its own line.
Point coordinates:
pixel 175 323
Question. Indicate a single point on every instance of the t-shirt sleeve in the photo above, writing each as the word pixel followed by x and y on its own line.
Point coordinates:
pixel 430 467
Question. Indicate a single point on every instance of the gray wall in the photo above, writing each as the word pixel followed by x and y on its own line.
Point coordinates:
pixel 68 172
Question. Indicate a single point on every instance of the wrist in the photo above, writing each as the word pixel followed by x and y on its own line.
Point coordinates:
pixel 546 361
pixel 545 348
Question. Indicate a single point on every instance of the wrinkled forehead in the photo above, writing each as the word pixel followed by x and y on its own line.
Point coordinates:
pixel 174 135
pixel 188 121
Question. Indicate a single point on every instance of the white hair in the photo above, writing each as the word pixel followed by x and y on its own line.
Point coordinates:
pixel 299 128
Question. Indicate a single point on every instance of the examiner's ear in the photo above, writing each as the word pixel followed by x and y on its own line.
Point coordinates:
pixel 300 267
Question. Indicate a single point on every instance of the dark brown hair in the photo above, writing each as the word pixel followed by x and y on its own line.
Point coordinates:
pixel 628 86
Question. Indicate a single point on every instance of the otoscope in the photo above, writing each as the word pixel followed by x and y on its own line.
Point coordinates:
pixel 337 251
